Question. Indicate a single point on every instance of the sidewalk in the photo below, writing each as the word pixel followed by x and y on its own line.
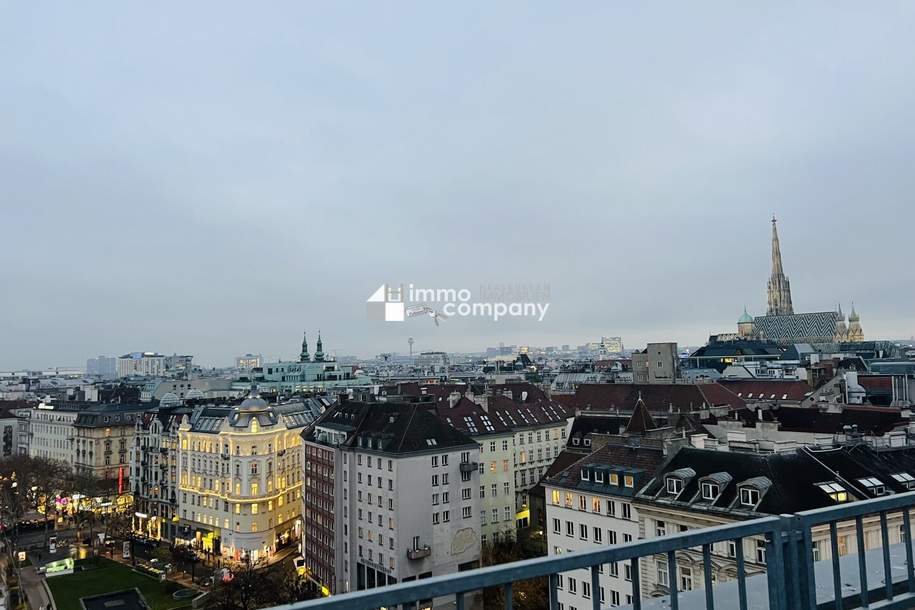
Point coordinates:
pixel 35 592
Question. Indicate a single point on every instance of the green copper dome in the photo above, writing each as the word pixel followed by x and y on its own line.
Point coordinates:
pixel 745 318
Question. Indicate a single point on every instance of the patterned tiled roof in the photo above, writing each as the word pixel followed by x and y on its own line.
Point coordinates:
pixel 817 327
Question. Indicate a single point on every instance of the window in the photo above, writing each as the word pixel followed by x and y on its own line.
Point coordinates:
pixel 749 496
pixel 674 486
pixel 710 491
pixel 816 550
pixel 761 550
pixel 435 461
pixel 874 486
pixel 686 578
pixel 628 481
pixel 598 535
pixel 595 505
pixel 586 589
pixel 614 478
pixel 662 574
pixel 615 598
pixel 611 508
pixel 732 548
pixel 573 586
pixel 570 528
pixel 508 513
pixel 627 511
pixel 582 531
pixel 557 526
pixel 627 571
pixel 660 528
pixel 582 503
pixel 611 536
pixel 835 491
pixel 465 493
pixel 465 512
pixel 615 569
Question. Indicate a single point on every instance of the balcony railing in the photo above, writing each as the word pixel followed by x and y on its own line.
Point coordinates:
pixel 790 581
pixel 468 466
pixel 419 552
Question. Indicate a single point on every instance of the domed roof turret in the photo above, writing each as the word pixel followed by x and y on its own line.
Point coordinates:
pixel 253 402
pixel 745 318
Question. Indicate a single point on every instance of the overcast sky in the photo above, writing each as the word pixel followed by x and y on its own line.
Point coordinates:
pixel 213 178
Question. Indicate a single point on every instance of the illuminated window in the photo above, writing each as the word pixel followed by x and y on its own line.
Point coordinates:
pixel 237 509
pixel 628 481
pixel 556 497
pixel 254 489
pixel 254 425
pixel 835 491
pixel 253 526
pixel 614 478
pixel 254 508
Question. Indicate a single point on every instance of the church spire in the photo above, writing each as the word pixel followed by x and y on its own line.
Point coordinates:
pixel 319 351
pixel 779 288
pixel 303 357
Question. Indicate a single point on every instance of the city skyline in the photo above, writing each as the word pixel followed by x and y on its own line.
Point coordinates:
pixel 217 194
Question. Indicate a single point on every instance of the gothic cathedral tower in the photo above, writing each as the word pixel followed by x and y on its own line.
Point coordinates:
pixel 779 287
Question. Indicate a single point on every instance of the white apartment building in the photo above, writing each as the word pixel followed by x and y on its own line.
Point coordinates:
pixel 391 495
pixel 240 478
pixel 700 488
pixel 143 364
pixel 49 430
pixel 590 504
pixel 497 470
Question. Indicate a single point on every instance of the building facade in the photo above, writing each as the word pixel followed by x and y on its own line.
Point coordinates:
pixel 591 504
pixel 103 437
pixel 391 495
pixel 154 472
pixel 240 478
pixel 142 364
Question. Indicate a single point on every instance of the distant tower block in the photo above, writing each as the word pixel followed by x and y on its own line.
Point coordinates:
pixel 410 341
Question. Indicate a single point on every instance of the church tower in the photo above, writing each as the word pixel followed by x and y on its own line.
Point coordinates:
pixel 319 352
pixel 303 357
pixel 841 329
pixel 779 287
pixel 855 333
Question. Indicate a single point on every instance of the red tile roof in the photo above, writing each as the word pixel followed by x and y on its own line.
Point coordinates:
pixel 765 389
pixel 658 397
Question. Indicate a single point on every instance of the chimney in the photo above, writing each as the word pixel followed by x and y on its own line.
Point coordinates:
pixel 453 399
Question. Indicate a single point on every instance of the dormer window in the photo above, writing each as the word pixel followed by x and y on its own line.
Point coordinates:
pixel 628 481
pixel 587 442
pixel 575 441
pixel 674 486
pixel 584 475
pixel 710 491
pixel 905 479
pixel 874 486
pixel 614 478
pixel 749 496
pixel 835 491
pixel 598 476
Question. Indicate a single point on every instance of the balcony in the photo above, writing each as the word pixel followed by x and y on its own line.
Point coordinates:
pixel 419 553
pixel 468 466
pixel 882 577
